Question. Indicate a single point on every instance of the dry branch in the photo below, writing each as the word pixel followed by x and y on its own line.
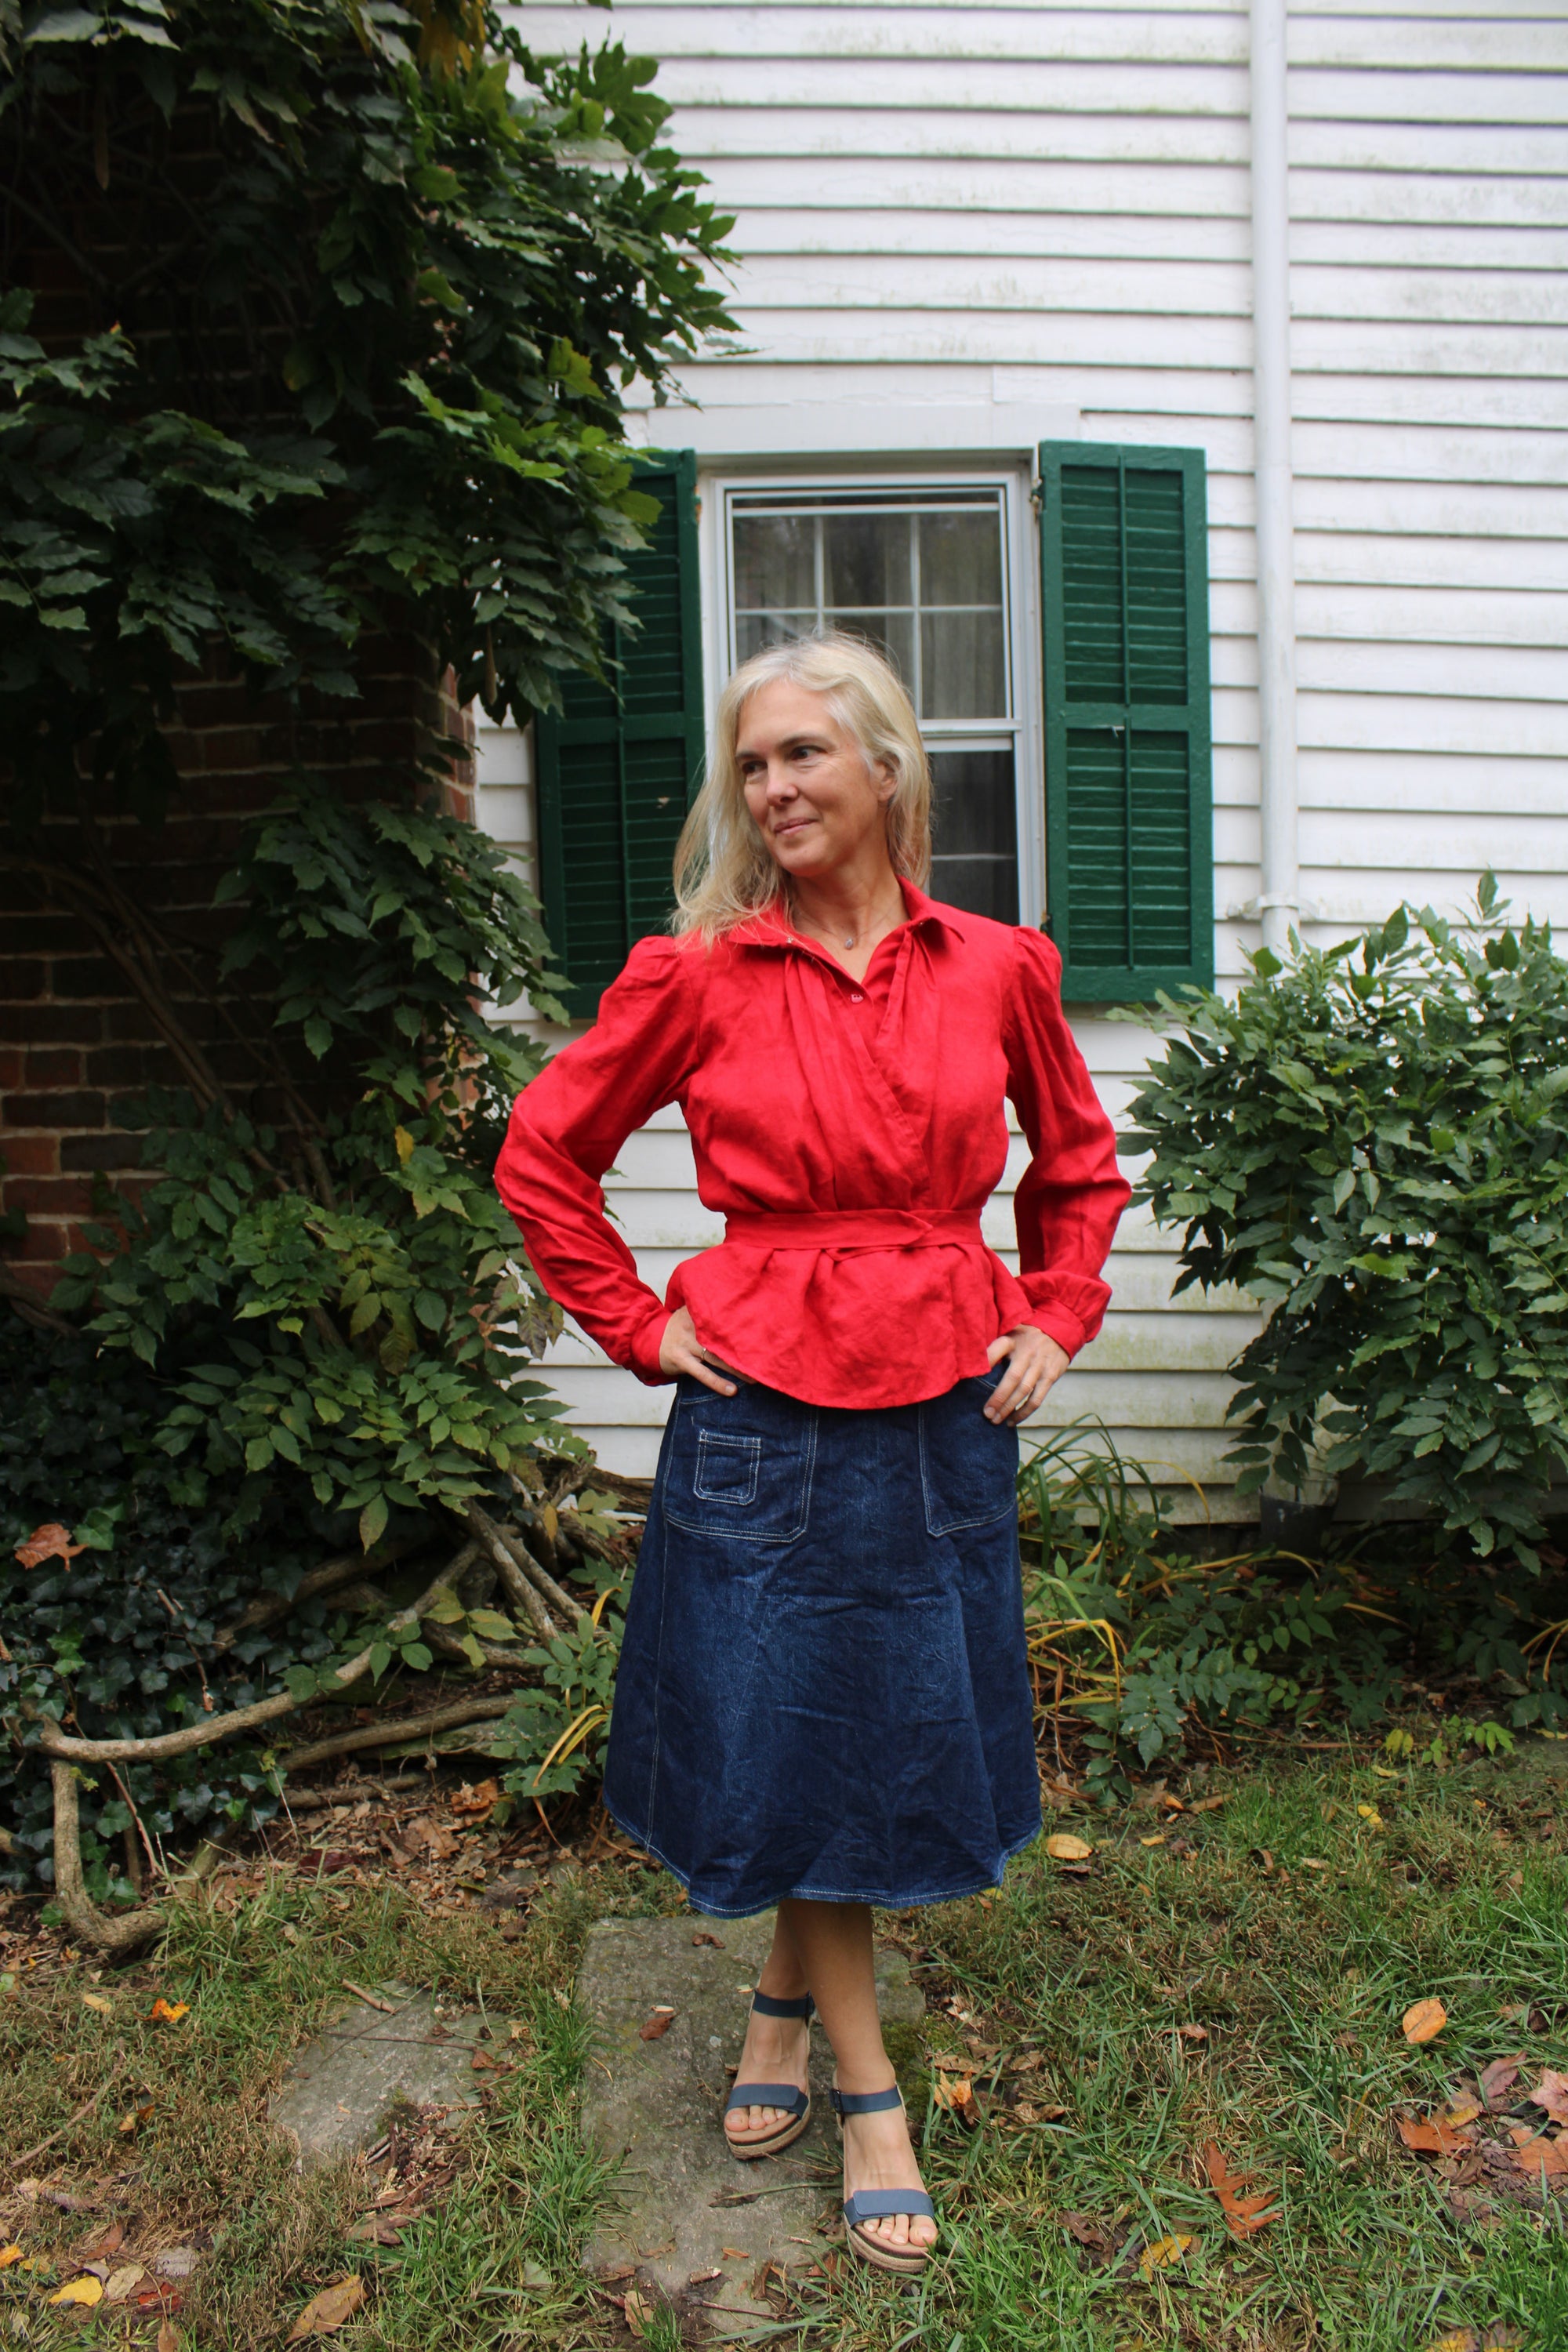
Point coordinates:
pixel 570 1609
pixel 519 1591
pixel 384 1735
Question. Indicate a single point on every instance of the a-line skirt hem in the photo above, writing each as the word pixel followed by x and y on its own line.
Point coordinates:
pixel 881 1898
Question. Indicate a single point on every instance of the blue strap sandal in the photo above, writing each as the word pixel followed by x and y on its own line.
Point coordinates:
pixel 880 2204
pixel 788 2096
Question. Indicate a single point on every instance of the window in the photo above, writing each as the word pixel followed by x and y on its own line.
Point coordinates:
pixel 922 571
pixel 1128 814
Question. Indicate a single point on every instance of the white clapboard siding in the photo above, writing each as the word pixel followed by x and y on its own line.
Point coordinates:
pixel 967 209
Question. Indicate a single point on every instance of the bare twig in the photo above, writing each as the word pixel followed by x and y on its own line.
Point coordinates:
pixel 565 1604
pixel 310 1801
pixel 125 1932
pixel 30 1306
pixel 386 1735
pixel 519 1590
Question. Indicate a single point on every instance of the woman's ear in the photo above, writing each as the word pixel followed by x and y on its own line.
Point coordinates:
pixel 884 781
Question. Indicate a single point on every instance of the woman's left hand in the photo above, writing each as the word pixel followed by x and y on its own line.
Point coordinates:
pixel 1035 1365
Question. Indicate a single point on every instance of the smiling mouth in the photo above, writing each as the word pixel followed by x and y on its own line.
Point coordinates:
pixel 790 824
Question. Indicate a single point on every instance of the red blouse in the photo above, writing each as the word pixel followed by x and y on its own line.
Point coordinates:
pixel 851 1132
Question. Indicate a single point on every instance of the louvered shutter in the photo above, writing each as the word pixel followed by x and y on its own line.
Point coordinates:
pixel 619 766
pixel 1129 755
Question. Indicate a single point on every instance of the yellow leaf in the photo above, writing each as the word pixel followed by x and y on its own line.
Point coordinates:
pixel 1068 1849
pixel 953 2091
pixel 169 2012
pixel 1159 1839
pixel 9 2254
pixel 1371 1816
pixel 1457 2339
pixel 1163 2253
pixel 86 2289
pixel 1424 2021
pixel 404 1141
pixel 99 2001
pixel 328 2309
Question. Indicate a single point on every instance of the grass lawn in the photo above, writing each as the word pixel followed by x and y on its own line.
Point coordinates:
pixel 1064 1996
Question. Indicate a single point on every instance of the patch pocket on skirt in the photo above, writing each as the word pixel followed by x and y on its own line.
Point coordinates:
pixel 969 1466
pixel 727 1468
pixel 741 1466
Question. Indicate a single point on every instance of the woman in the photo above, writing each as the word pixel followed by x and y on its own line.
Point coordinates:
pixel 822 1700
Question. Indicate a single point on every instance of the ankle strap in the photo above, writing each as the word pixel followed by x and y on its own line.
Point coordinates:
pixel 865 2103
pixel 766 2006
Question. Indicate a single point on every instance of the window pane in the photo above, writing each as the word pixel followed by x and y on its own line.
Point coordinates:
pixel 775 562
pixel 892 633
pixel 866 559
pixel 960 559
pixel 755 630
pixel 963 667
pixel 975 824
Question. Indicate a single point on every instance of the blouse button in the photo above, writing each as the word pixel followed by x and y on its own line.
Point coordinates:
pixel 856 997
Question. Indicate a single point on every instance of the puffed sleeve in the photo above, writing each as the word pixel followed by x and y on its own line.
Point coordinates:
pixel 1071 1194
pixel 565 1130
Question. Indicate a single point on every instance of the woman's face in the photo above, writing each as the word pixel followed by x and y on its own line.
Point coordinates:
pixel 818 801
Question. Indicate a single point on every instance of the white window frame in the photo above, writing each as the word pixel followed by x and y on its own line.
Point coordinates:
pixel 718 483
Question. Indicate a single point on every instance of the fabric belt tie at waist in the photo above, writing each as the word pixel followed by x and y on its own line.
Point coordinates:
pixel 853 1229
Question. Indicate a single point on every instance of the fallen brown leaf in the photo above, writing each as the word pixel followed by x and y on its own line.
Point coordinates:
pixel 168 2336
pixel 700 2278
pixel 735 2253
pixel 1430 2136
pixel 50 1541
pixel 1194 2032
pixel 1498 2079
pixel 702 1937
pixel 1551 2093
pixel 467 1801
pixel 621 2271
pixel 168 2012
pixel 99 2001
pixel 1535 2156
pixel 122 2281
pixel 1244 2215
pixel 108 2243
pixel 1206 1805
pixel 376 2230
pixel 640 2310
pixel 134 2117
pixel 328 2310
pixel 1062 1848
pixel 1424 2021
pixel 9 2254
pixel 653 2028
pixel 1461 2110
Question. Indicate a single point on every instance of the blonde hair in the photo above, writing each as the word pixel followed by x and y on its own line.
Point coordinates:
pixel 724 871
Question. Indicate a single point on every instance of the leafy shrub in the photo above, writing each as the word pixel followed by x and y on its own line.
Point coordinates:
pixel 1374 1142
pixel 332 1307
pixel 1132 1630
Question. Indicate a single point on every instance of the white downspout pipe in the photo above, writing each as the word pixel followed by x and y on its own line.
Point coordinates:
pixel 1279 895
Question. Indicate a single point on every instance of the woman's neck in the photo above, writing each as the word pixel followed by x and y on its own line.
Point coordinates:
pixel 850 913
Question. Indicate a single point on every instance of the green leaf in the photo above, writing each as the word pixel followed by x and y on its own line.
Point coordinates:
pixel 372 1522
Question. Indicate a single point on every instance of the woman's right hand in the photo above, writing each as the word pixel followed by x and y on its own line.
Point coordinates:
pixel 680 1351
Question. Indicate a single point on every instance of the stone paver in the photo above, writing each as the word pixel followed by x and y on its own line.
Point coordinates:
pixel 346 2085
pixel 681 2204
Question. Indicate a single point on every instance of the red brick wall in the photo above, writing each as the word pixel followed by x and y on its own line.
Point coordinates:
pixel 74 1040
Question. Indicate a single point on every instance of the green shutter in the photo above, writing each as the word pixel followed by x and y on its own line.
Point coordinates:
pixel 618 767
pixel 1129 756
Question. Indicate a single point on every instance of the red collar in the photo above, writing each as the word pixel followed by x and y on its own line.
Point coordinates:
pixel 773 929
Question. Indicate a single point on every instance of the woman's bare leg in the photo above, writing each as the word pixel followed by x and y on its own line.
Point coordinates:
pixel 776 2049
pixel 831 1943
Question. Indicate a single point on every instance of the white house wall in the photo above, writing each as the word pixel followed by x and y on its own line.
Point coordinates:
pixel 990 225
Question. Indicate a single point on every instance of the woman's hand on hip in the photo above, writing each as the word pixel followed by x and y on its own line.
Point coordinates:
pixel 680 1351
pixel 1035 1364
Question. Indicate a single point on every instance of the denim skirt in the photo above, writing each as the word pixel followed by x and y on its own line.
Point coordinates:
pixel 823 1689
